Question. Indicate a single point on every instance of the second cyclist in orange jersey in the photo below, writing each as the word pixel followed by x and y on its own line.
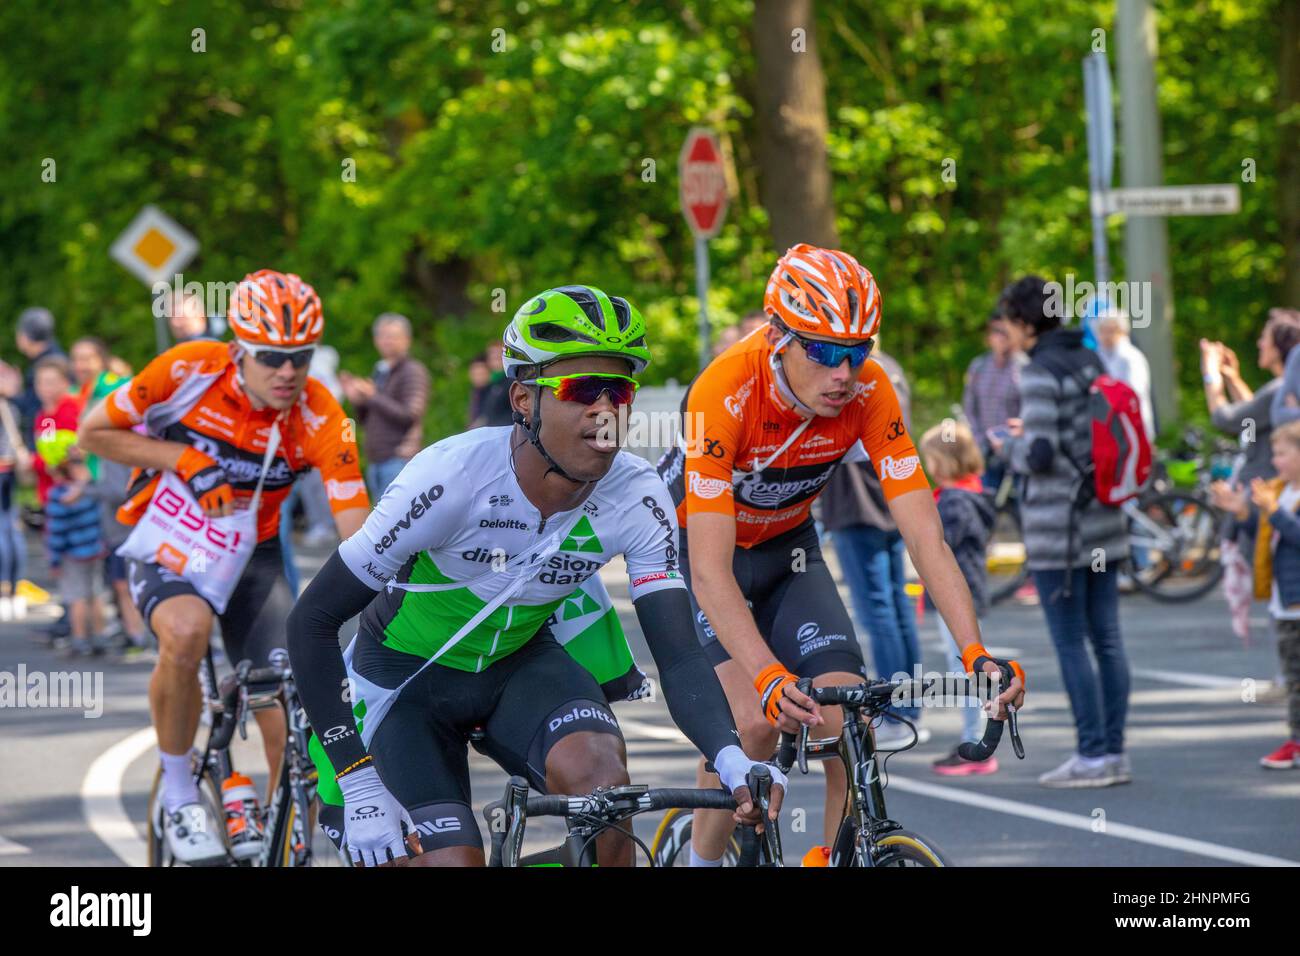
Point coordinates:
pixel 760 459
pixel 209 410
pixel 192 394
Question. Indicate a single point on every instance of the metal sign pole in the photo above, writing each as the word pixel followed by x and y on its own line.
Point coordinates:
pixel 1101 154
pixel 702 293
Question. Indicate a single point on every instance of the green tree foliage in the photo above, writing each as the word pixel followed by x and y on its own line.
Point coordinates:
pixel 503 147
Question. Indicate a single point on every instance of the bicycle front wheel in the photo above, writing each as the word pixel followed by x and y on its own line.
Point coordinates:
pixel 904 848
pixel 672 842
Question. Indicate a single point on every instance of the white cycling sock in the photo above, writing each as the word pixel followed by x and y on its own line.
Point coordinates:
pixel 697 860
pixel 178 783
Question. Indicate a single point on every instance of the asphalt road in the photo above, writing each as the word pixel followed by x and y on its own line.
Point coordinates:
pixel 75 787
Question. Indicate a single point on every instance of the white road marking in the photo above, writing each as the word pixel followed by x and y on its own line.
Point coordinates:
pixel 1073 821
pixel 10 848
pixel 1195 680
pixel 653 731
pixel 101 798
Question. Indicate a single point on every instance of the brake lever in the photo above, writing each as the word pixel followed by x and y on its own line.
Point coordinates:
pixel 803 749
pixel 243 711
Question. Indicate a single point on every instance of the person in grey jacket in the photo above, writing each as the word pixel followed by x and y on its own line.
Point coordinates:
pixel 1074 543
pixel 1237 410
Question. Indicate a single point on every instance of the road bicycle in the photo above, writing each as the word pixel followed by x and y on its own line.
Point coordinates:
pixel 867 836
pixel 588 816
pixel 289 819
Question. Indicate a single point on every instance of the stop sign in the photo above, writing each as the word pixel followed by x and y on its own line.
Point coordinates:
pixel 702 183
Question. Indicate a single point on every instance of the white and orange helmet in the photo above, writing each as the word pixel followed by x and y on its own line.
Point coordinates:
pixel 275 309
pixel 823 292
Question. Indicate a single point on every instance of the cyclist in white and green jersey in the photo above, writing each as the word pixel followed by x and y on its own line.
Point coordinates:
pixel 480 541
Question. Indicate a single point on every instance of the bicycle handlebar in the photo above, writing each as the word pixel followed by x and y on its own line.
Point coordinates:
pixel 855 697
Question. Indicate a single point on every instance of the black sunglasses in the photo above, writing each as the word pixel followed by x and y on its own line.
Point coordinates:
pixel 273 358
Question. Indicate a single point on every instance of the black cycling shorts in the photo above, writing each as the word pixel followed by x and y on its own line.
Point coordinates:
pixel 523 704
pixel 253 625
pixel 796 606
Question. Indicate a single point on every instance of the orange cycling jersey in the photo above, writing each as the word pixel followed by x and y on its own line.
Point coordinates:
pixel 191 394
pixel 753 456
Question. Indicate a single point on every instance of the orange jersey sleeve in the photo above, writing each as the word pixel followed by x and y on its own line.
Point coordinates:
pixel 713 430
pixel 885 437
pixel 332 447
pixel 158 381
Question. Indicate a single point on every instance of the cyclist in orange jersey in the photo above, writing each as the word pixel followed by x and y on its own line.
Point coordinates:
pixel 208 408
pixel 780 409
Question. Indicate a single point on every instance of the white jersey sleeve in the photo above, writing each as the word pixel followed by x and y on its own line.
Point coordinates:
pixel 423 507
pixel 651 541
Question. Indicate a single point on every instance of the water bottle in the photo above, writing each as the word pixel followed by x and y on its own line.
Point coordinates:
pixel 243 819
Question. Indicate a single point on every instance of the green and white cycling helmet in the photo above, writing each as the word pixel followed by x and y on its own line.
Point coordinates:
pixel 574 320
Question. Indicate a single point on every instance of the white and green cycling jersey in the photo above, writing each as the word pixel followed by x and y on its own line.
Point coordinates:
pixel 456 518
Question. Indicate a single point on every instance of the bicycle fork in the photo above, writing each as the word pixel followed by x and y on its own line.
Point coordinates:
pixel 866 794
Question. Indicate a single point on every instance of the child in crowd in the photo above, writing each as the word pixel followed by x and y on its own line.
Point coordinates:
pixel 76 547
pixel 954 463
pixel 109 491
pixel 1276 524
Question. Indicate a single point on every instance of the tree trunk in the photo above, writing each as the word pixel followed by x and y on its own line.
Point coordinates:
pixel 791 107
pixel 1288 134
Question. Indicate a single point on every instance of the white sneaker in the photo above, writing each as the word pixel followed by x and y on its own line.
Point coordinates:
pixel 6 609
pixel 1078 771
pixel 20 607
pixel 192 837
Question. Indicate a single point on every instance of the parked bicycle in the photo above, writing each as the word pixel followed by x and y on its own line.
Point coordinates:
pixel 1173 536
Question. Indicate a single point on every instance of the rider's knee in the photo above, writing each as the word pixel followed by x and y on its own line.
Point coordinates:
pixel 181 640
pixel 757 738
pixel 585 762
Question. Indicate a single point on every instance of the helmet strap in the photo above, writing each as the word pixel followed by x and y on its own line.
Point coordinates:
pixel 533 430
pixel 778 373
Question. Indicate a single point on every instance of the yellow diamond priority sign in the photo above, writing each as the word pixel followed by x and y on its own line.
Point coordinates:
pixel 154 246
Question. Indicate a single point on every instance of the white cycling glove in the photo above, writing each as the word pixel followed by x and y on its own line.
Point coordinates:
pixel 372 819
pixel 732 766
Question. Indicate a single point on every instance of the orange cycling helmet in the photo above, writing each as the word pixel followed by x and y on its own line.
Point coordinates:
pixel 276 309
pixel 823 292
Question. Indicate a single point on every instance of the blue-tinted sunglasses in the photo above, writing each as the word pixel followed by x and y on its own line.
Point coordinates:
pixel 832 355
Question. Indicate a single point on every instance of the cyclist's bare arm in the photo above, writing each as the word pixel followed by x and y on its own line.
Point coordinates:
pixel 712 543
pixel 349 522
pixel 922 531
pixel 99 436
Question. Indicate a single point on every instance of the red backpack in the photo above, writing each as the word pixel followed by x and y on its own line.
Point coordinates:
pixel 1120 460
pixel 1121 453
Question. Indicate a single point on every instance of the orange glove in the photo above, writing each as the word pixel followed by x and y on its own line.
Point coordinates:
pixel 770 684
pixel 207 480
pixel 974 656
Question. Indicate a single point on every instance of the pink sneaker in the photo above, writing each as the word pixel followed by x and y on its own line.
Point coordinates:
pixel 954 766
